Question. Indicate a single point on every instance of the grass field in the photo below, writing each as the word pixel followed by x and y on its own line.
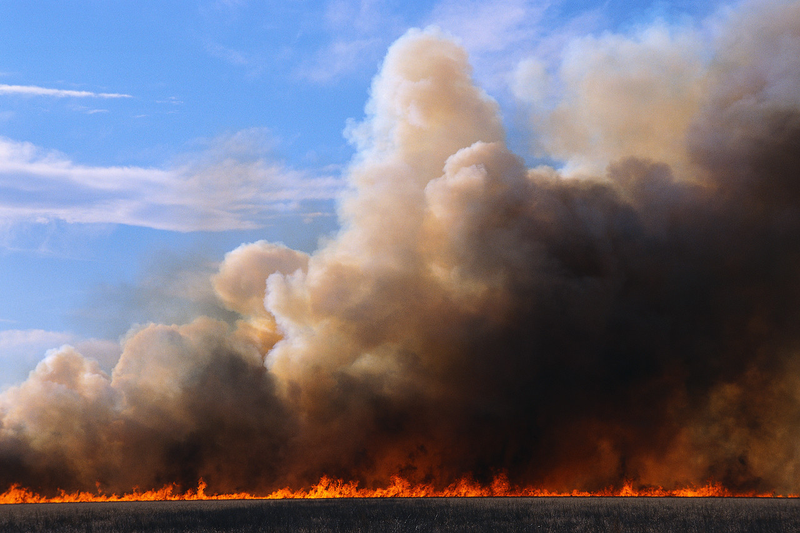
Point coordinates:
pixel 699 515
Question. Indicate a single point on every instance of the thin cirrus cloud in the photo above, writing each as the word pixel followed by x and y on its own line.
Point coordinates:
pixel 34 90
pixel 222 189
pixel 227 54
pixel 357 35
pixel 340 58
pixel 489 26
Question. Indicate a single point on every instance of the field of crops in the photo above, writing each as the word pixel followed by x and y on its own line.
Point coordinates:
pixel 701 515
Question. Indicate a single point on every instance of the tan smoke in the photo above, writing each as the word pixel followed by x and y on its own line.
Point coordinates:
pixel 474 316
pixel 241 280
pixel 619 96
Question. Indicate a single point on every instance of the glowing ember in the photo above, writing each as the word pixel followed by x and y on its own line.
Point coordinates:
pixel 399 488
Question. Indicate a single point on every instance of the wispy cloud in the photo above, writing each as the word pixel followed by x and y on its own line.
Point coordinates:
pixel 360 16
pixel 490 26
pixel 33 90
pixel 340 58
pixel 227 54
pixel 499 34
pixel 173 100
pixel 355 36
pixel 232 184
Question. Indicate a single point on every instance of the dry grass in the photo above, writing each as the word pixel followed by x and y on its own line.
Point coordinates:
pixel 495 515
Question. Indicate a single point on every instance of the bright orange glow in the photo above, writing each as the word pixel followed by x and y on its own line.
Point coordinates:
pixel 399 488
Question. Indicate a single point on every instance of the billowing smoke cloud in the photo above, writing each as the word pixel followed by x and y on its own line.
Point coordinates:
pixel 474 316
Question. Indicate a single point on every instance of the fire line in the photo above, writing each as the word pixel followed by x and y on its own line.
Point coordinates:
pixel 399 488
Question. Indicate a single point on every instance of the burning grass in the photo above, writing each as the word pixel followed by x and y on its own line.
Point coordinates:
pixel 398 488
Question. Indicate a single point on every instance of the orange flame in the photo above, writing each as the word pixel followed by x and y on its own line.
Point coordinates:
pixel 398 488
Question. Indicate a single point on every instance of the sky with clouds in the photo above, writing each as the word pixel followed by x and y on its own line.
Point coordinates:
pixel 140 142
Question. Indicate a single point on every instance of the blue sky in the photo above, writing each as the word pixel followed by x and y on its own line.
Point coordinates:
pixel 141 141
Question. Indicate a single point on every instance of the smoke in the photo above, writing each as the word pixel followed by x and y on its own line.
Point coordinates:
pixel 617 96
pixel 474 316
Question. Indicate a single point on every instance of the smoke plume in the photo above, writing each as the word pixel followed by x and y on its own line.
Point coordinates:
pixel 635 316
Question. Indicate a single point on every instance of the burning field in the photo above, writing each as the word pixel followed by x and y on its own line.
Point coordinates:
pixel 630 322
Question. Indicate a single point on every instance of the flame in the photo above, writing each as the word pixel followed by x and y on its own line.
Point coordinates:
pixel 398 488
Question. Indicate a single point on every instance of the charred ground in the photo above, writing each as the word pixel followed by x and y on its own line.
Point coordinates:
pixel 656 515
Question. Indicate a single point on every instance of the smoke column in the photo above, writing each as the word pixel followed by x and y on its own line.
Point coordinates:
pixel 633 316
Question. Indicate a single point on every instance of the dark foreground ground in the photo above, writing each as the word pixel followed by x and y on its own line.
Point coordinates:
pixel 699 515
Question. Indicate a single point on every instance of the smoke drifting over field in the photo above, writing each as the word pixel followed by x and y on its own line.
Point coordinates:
pixel 634 317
